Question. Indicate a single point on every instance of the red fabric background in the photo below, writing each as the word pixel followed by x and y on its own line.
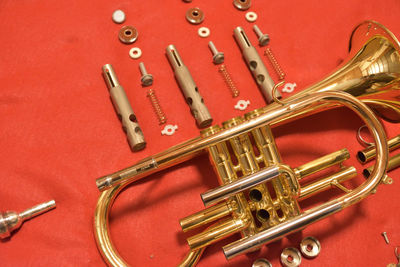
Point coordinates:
pixel 59 131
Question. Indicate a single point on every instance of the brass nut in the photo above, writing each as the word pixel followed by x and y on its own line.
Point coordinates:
pixel 195 15
pixel 242 4
pixel 261 263
pixel 290 257
pixel 310 247
pixel 128 34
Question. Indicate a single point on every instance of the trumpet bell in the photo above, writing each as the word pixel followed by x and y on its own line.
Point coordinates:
pixel 371 71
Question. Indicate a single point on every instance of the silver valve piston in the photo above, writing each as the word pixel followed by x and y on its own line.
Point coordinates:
pixel 189 89
pixel 256 65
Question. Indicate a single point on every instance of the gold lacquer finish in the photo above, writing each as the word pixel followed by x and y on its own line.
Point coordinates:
pixel 368 153
pixel 264 205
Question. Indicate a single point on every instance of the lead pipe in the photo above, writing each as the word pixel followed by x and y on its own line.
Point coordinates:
pixel 256 65
pixel 124 109
pixel 189 88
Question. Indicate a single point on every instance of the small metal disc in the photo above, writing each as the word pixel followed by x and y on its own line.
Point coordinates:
pixel 128 34
pixel 261 263
pixel 290 257
pixel 310 247
pixel 118 16
pixel 195 15
pixel 242 4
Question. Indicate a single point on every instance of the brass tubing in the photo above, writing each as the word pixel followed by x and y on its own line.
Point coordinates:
pixel 315 214
pixel 393 163
pixel 107 198
pixel 181 153
pixel 277 232
pixel 326 183
pixel 191 258
pixel 363 57
pixel 216 233
pixel 322 163
pixel 368 153
pixel 205 216
pixel 225 191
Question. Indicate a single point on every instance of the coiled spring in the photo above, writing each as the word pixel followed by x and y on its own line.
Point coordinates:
pixel 274 63
pixel 228 80
pixel 156 106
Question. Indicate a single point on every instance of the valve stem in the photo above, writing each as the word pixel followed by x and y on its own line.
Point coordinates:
pixel 151 94
pixel 11 220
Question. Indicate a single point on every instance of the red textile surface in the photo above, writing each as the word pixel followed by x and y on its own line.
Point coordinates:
pixel 59 131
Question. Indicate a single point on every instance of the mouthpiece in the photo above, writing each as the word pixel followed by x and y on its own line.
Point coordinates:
pixel 11 220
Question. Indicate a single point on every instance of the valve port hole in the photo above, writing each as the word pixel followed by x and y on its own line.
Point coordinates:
pixel 132 118
pixel 253 65
pixel 361 157
pixel 195 13
pixel 263 215
pixel 279 213
pixel 128 33
pixel 309 248
pixel 255 195
pixel 260 78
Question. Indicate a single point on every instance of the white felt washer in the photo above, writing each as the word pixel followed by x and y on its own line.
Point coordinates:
pixel 204 32
pixel 135 52
pixel 118 16
pixel 251 16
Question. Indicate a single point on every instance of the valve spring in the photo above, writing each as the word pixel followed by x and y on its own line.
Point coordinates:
pixel 228 80
pixel 274 63
pixel 156 106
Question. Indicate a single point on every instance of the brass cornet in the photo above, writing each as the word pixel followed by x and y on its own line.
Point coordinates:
pixel 259 195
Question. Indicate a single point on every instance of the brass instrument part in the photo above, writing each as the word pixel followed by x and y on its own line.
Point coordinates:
pixel 328 182
pixel 322 163
pixel 189 88
pixel 371 73
pixel 255 64
pixel 368 153
pixel 124 109
pixel 393 163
